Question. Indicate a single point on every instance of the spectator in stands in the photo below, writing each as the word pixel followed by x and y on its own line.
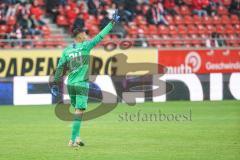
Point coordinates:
pixel 12 9
pixel 215 41
pixel 3 9
pixel 130 5
pixel 111 10
pixel 125 15
pixel 235 7
pixel 155 14
pixel 141 41
pixel 139 10
pixel 16 35
pixel 198 7
pixel 169 6
pixel 92 6
pixel 79 22
pixel 213 6
pixel 105 20
pixel 179 2
pixel 37 11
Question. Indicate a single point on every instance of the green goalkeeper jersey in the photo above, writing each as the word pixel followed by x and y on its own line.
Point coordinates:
pixel 75 57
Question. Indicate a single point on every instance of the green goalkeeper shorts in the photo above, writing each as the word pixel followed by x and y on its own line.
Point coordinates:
pixel 78 93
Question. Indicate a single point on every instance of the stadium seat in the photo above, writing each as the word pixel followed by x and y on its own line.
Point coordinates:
pixel 192 29
pixel 176 41
pixel 153 29
pixel 234 19
pixel 226 2
pixel 178 20
pixel 216 20
pixel 197 19
pixel 144 29
pixel 169 19
pixel 182 29
pixel 237 27
pixel 229 29
pixel 166 41
pixel 3 29
pixel 45 30
pixel 222 10
pixel 188 20
pixel 201 29
pixel 220 29
pixel 225 19
pixel 196 41
pixel 62 21
pixel 11 20
pixel 232 40
pixel 132 30
pixel 162 29
pixel 186 40
pixel 172 29
pixel 184 10
pixel 210 29
pixel 207 20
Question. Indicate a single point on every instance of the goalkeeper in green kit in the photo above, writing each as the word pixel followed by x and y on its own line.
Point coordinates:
pixel 76 58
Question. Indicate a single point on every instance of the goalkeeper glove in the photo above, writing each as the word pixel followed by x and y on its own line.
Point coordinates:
pixel 116 17
pixel 55 90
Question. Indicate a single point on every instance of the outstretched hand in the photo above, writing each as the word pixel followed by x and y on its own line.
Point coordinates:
pixel 116 17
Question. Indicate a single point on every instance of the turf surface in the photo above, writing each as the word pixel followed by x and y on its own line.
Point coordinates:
pixel 34 132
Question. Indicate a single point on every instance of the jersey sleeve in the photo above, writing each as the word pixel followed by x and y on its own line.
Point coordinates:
pixel 60 68
pixel 98 38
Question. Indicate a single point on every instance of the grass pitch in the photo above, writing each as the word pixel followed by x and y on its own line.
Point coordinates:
pixel 34 132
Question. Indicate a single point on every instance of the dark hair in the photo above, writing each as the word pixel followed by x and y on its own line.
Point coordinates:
pixel 78 30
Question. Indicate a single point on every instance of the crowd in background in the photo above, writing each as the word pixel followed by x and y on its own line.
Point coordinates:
pixel 29 14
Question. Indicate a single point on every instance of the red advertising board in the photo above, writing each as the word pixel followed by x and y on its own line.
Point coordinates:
pixel 199 61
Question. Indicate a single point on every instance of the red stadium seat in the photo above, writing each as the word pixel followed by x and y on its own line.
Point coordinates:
pixel 46 30
pixel 196 41
pixel 226 2
pixel 229 29
pixel 133 30
pixel 169 19
pixel 184 10
pixel 210 29
pixel 162 29
pixel 11 20
pixel 3 29
pixel 192 29
pixel 234 19
pixel 172 30
pixel 222 10
pixel 216 20
pixel 153 29
pixel 220 29
pixel 186 40
pixel 201 29
pixel 207 20
pixel 232 40
pixel 144 29
pixel 197 20
pixel 166 41
pixel 62 21
pixel 225 19
pixel 178 20
pixel 176 41
pixel 237 29
pixel 182 29
pixel 188 19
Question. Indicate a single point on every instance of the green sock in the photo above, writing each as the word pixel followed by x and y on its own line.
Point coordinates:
pixel 76 129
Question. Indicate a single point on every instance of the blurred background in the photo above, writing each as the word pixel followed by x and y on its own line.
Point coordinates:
pixel 146 23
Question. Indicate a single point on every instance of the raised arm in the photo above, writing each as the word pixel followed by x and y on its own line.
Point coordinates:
pixel 98 38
